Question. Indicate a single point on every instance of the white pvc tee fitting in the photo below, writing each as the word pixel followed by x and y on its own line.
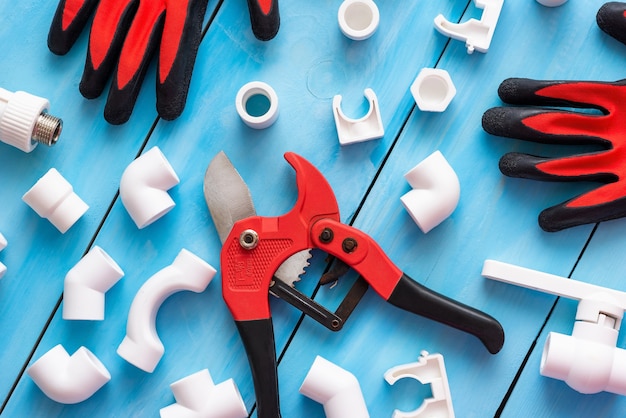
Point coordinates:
pixel 3 245
pixel 358 19
pixel 53 198
pixel 86 283
pixel 69 379
pixel 257 89
pixel 144 186
pixel 433 90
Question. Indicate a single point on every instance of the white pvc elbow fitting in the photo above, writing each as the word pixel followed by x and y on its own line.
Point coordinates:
pixel 142 346
pixel 69 379
pixel 3 245
pixel 86 283
pixel 144 186
pixel 198 397
pixel 336 389
pixel 53 198
pixel 358 19
pixel 436 191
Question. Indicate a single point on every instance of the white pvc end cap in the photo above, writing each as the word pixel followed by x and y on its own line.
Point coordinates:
pixel 256 88
pixel 551 3
pixel 433 90
pixel 53 198
pixel 358 19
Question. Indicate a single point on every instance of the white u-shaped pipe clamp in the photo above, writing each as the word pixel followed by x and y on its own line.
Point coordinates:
pixel 142 346
pixel 336 389
pixel 144 186
pixel 86 283
pixel 368 127
pixel 429 369
pixel 358 19
pixel 3 245
pixel 198 397
pixel 53 198
pixel 436 192
pixel 69 379
pixel 477 34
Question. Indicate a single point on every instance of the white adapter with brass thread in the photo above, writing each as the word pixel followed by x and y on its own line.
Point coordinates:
pixel 25 121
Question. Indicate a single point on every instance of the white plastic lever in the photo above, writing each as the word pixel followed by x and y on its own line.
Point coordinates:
pixel 588 360
pixel 3 245
pixel 368 127
pixel 429 369
pixel 477 34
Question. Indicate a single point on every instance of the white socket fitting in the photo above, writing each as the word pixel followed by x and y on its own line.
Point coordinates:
pixel 144 186
pixel 551 3
pixel 24 121
pixel 436 191
pixel 358 19
pixel 250 90
pixel 336 389
pixel 53 198
pixel 3 245
pixel 368 127
pixel 433 90
pixel 197 396
pixel 69 379
pixel 86 283
pixel 142 346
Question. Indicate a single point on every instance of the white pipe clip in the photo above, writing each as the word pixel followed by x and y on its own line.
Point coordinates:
pixel 436 192
pixel 144 185
pixel 358 19
pixel 86 283
pixel 141 345
pixel 429 369
pixel 589 360
pixel 336 389
pixel 368 127
pixel 477 34
pixel 3 245
pixel 69 379
pixel 198 397
pixel 53 198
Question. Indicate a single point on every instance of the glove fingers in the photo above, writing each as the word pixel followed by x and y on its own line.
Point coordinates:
pixel 565 215
pixel 264 18
pixel 589 167
pixel 69 20
pixel 182 33
pixel 611 19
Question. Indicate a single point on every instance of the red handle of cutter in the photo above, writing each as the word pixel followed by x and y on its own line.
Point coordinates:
pixel 264 18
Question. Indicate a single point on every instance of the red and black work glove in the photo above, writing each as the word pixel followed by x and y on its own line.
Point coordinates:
pixel 264 18
pixel 124 35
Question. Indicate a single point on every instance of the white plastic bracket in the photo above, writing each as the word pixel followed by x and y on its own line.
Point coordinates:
pixel 429 369
pixel 589 360
pixel 368 127
pixel 477 34
pixel 3 245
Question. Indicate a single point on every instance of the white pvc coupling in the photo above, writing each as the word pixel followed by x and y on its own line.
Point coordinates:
pixel 198 397
pixel 368 127
pixel 436 192
pixel 86 283
pixel 53 198
pixel 358 19
pixel 265 94
pixel 336 389
pixel 144 186
pixel 69 379
pixel 3 245
pixel 433 90
pixel 141 345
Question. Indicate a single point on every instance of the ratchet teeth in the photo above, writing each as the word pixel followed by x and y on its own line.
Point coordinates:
pixel 293 267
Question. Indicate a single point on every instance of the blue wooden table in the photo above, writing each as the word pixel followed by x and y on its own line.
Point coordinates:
pixel 307 64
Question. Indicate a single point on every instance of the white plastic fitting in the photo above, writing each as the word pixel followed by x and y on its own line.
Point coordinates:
pixel 477 34
pixel 141 345
pixel 436 191
pixel 429 369
pixel 358 19
pixel 368 127
pixel 144 186
pixel 53 198
pixel 250 90
pixel 3 245
pixel 336 389
pixel 588 360
pixel 433 90
pixel 86 283
pixel 198 397
pixel 69 379
pixel 25 121
pixel 551 3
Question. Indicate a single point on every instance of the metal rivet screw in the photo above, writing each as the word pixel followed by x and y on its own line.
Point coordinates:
pixel 249 239
pixel 349 245
pixel 327 235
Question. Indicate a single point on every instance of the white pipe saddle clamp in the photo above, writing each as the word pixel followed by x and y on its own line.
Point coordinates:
pixel 368 127
pixel 247 92
pixel 3 245
pixel 429 369
pixel 589 360
pixel 477 34
pixel 358 19
pixel 433 90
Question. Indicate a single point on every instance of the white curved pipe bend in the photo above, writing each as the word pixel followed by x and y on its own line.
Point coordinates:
pixel 69 379
pixel 142 346
pixel 336 389
pixel 86 283
pixel 144 186
pixel 436 191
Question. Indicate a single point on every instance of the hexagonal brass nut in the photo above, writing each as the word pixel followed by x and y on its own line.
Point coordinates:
pixel 433 90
